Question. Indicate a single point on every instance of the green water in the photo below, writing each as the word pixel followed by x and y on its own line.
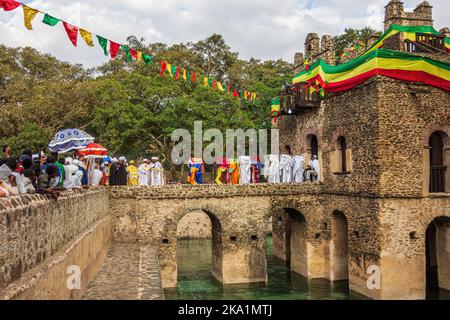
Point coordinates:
pixel 196 283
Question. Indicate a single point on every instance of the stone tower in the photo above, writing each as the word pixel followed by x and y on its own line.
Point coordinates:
pixel 395 14
pixel 312 47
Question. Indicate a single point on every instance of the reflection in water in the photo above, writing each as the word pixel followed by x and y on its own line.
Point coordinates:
pixel 196 283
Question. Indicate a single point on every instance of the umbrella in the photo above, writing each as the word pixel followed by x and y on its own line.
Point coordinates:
pixel 69 140
pixel 94 150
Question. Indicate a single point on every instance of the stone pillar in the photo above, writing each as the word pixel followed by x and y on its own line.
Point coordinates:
pixel 244 262
pixel 443 253
pixel 393 13
pixel 312 47
pixel 423 14
pixel 167 256
pixel 327 46
pixel 281 236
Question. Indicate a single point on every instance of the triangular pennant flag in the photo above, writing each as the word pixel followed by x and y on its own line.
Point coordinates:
pixel 133 53
pixel 205 81
pixel 163 67
pixel 104 44
pixel 220 87
pixel 177 73
pixel 28 15
pixel 210 83
pixel 229 88
pixel 245 95
pixel 194 77
pixel 235 93
pixel 113 49
pixel 147 59
pixel 9 5
pixel 49 20
pixel 139 56
pixel 169 68
pixel 87 37
pixel 184 74
pixel 127 52
pixel 214 84
pixel 72 32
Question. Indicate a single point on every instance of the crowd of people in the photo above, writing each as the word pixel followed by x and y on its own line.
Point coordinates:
pixel 37 173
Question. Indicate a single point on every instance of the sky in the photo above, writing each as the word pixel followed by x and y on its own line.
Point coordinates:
pixel 262 29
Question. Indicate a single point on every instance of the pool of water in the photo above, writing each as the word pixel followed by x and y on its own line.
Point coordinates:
pixel 196 283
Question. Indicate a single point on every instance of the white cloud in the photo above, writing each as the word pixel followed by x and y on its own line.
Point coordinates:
pixel 264 29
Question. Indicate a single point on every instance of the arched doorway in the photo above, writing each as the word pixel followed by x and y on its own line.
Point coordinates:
pixel 437 257
pixel 438 162
pixel 312 146
pixel 339 247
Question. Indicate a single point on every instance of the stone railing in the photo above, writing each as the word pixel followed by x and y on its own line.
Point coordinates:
pixel 184 191
pixel 35 227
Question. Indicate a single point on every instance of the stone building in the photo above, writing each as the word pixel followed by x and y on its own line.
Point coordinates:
pixel 384 149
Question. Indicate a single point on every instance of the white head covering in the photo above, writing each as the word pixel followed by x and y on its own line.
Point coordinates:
pixel 155 158
pixel 115 160
pixel 145 160
pixel 5 172
pixel 76 162
pixel 122 159
pixel 69 160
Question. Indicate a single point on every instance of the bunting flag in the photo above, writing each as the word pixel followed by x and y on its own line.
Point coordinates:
pixel 276 109
pixel 49 20
pixel 393 64
pixel 146 58
pixel 72 32
pixel 87 37
pixel 407 33
pixel 9 5
pixel 163 67
pixel 28 15
pixel 113 49
pixel 205 82
pixel 104 44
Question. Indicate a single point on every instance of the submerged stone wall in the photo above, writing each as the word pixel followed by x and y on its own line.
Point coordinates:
pixel 34 230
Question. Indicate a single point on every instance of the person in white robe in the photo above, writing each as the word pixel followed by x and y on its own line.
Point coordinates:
pixel 97 176
pixel 156 172
pixel 144 173
pixel 272 168
pixel 245 164
pixel 298 168
pixel 71 170
pixel 316 166
pixel 286 168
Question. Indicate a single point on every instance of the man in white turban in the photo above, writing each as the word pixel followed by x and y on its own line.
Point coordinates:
pixel 156 172
pixel 144 173
pixel 71 170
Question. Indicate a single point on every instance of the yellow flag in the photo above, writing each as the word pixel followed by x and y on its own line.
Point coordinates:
pixel 219 86
pixel 169 68
pixel 87 37
pixel 205 81
pixel 254 96
pixel 184 74
pixel 139 56
pixel 28 15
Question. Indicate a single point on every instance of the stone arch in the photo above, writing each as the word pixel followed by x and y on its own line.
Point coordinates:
pixel 339 249
pixel 341 152
pixel 437 255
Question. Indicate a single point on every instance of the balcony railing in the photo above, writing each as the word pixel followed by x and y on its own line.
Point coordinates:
pixel 426 43
pixel 297 99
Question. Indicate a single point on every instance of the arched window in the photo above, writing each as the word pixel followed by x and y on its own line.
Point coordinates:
pixel 314 146
pixel 437 162
pixel 342 144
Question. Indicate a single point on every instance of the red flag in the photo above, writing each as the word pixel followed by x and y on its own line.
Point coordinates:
pixel 194 77
pixel 113 49
pixel 163 67
pixel 72 32
pixel 9 5
pixel 133 53
pixel 235 93
pixel 214 84
pixel 229 88
pixel 177 73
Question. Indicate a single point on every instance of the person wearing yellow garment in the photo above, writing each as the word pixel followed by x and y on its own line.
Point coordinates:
pixel 133 177
pixel 233 171
pixel 222 171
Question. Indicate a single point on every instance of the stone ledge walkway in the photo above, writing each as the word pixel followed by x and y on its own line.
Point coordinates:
pixel 130 272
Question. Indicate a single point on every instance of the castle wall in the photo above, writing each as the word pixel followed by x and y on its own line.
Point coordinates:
pixel 41 238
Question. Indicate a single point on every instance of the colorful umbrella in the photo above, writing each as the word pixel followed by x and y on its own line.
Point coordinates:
pixel 94 150
pixel 69 140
